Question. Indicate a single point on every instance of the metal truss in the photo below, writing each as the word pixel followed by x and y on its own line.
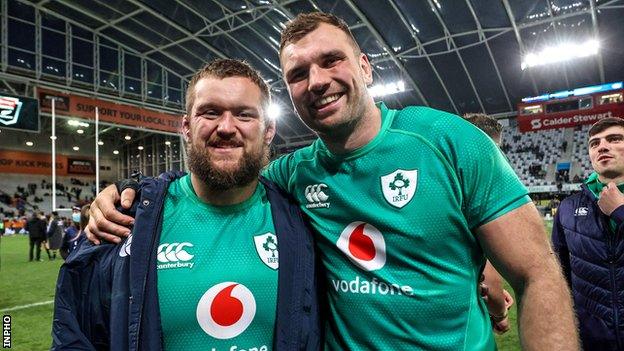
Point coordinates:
pixel 4 33
pixel 423 50
pixel 86 11
pixel 594 17
pixel 388 50
pixel 512 20
pixel 549 6
pixel 10 77
pixel 489 50
pixel 96 71
pixel 248 17
pixel 459 56
pixel 271 67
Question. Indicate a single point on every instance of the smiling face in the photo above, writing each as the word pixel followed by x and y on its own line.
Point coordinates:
pixel 326 76
pixel 226 132
pixel 606 152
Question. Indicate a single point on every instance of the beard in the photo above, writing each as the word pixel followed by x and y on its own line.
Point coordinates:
pixel 216 178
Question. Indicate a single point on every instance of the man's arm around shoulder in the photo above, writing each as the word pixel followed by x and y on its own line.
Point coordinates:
pixel 517 245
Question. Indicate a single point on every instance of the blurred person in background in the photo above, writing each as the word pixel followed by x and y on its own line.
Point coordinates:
pixel 36 228
pixel 79 219
pixel 54 234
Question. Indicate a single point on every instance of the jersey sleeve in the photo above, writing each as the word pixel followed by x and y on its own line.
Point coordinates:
pixel 279 171
pixel 490 187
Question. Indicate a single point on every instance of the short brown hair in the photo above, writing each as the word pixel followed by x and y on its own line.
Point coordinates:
pixel 604 124
pixel 226 68
pixel 489 125
pixel 305 23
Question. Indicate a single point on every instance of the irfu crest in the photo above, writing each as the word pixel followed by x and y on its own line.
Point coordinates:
pixel 399 187
pixel 266 247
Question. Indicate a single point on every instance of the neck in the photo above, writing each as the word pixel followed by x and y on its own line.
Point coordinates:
pixel 358 135
pixel 231 196
pixel 619 179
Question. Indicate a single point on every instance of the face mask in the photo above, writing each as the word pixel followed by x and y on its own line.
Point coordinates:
pixel 76 217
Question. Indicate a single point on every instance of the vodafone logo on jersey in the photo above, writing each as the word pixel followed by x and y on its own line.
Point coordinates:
pixel 226 310
pixel 364 245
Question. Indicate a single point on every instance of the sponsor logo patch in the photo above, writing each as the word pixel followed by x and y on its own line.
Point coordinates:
pixel 226 310
pixel 125 248
pixel 581 211
pixel 364 245
pixel 316 196
pixel 175 255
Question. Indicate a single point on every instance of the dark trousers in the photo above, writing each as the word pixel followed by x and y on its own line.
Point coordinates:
pixel 35 243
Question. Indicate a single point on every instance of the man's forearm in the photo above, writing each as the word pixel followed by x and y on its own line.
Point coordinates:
pixel 545 312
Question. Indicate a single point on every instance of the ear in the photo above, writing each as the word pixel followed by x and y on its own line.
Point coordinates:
pixel 367 70
pixel 269 132
pixel 186 128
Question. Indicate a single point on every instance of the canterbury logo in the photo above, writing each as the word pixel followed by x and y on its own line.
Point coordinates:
pixel 316 196
pixel 174 252
pixel 581 211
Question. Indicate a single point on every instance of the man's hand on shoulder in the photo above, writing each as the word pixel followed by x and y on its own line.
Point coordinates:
pixel 105 221
pixel 610 199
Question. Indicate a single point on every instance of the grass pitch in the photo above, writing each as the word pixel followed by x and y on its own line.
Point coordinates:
pixel 27 289
pixel 24 284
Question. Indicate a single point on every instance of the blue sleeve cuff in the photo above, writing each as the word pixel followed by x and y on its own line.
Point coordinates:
pixel 618 215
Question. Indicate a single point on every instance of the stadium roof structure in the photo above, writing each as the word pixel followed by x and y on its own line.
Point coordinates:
pixel 455 55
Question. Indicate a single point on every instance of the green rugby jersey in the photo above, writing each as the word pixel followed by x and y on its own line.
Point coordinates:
pixel 217 272
pixel 394 224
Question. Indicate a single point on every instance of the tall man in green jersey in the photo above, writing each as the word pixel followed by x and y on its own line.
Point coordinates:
pixel 405 204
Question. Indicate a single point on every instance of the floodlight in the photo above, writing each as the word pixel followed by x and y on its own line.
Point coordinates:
pixel 560 53
pixel 387 89
pixel 74 123
pixel 274 111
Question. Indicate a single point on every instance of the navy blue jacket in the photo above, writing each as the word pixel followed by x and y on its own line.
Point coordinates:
pixel 592 258
pixel 107 296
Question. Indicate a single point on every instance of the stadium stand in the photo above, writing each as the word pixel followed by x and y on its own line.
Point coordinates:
pixel 535 155
pixel 19 191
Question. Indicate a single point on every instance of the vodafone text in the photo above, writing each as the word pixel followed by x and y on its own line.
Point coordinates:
pixel 236 348
pixel 375 286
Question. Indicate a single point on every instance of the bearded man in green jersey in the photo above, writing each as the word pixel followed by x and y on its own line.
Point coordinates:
pixel 406 204
pixel 218 259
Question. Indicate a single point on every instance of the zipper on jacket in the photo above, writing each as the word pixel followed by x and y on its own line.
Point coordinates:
pixel 616 319
pixel 611 242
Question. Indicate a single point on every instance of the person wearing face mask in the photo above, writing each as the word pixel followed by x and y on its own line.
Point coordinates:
pixel 73 231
